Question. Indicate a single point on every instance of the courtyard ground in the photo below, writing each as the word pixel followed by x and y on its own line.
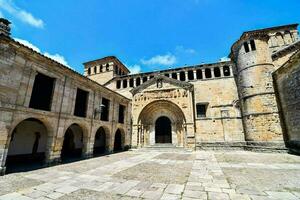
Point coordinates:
pixel 148 174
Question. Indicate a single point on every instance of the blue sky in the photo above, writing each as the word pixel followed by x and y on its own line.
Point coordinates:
pixel 145 34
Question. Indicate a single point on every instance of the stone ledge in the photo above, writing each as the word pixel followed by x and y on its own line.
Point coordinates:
pixel 248 145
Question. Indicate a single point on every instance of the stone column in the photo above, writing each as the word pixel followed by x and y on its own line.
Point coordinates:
pixel 212 72
pixel 178 76
pixel 195 74
pixel 203 74
pixel 222 72
pixel 134 82
pixel 186 76
pixel 88 147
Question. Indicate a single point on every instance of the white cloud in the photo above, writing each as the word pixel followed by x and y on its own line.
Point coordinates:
pixel 56 57
pixel 167 59
pixel 181 49
pixel 134 69
pixel 22 15
pixel 224 59
pixel 28 44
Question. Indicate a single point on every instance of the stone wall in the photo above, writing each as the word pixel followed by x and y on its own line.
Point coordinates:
pixel 19 66
pixel 287 82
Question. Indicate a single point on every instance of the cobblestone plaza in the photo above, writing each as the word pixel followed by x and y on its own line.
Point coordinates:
pixel 149 174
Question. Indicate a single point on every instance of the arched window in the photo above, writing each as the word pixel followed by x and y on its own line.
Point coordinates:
pixel 182 76
pixel 207 73
pixel 125 83
pixel 190 75
pixel 107 67
pixel 167 75
pixel 131 82
pixel 199 74
pixel 217 72
pixel 174 75
pixel 118 84
pixel 226 71
pixel 89 71
pixel 101 68
pixel 95 70
pixel 138 81
pixel 145 79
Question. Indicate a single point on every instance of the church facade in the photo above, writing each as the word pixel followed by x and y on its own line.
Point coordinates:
pixel 50 113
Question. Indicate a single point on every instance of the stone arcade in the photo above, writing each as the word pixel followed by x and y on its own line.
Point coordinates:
pixel 51 114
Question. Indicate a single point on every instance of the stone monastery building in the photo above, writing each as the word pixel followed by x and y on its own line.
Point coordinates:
pixel 50 113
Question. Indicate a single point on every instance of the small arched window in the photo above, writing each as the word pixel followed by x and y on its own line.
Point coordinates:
pixel 207 73
pixel 131 82
pixel 95 70
pixel 191 75
pixel 145 79
pixel 125 83
pixel 118 84
pixel 89 71
pixel 226 71
pixel 138 81
pixel 199 74
pixel 217 72
pixel 182 76
pixel 107 67
pixel 174 75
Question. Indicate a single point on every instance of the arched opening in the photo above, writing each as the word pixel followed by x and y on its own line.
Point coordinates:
pixel 118 143
pixel 149 124
pixel 73 144
pixel 100 142
pixel 163 130
pixel 28 145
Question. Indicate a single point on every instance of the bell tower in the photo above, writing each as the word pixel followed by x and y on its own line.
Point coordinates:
pixel 105 69
pixel 253 75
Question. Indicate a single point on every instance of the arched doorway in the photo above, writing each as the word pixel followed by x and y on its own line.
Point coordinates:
pixel 163 130
pixel 100 142
pixel 118 143
pixel 28 145
pixel 73 144
pixel 160 121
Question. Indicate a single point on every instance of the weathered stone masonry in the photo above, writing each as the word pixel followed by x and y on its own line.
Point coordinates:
pixel 50 112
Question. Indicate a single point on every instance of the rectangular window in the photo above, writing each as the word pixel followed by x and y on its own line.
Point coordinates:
pixel 81 103
pixel 121 114
pixel 105 110
pixel 201 110
pixel 252 44
pixel 42 92
pixel 246 47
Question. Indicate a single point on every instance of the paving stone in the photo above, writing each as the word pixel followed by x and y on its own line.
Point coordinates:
pixel 153 194
pixel 134 193
pixel 55 195
pixel 195 194
pixel 167 196
pixel 66 189
pixel 217 196
pixel 14 196
pixel 281 195
pixel 174 189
